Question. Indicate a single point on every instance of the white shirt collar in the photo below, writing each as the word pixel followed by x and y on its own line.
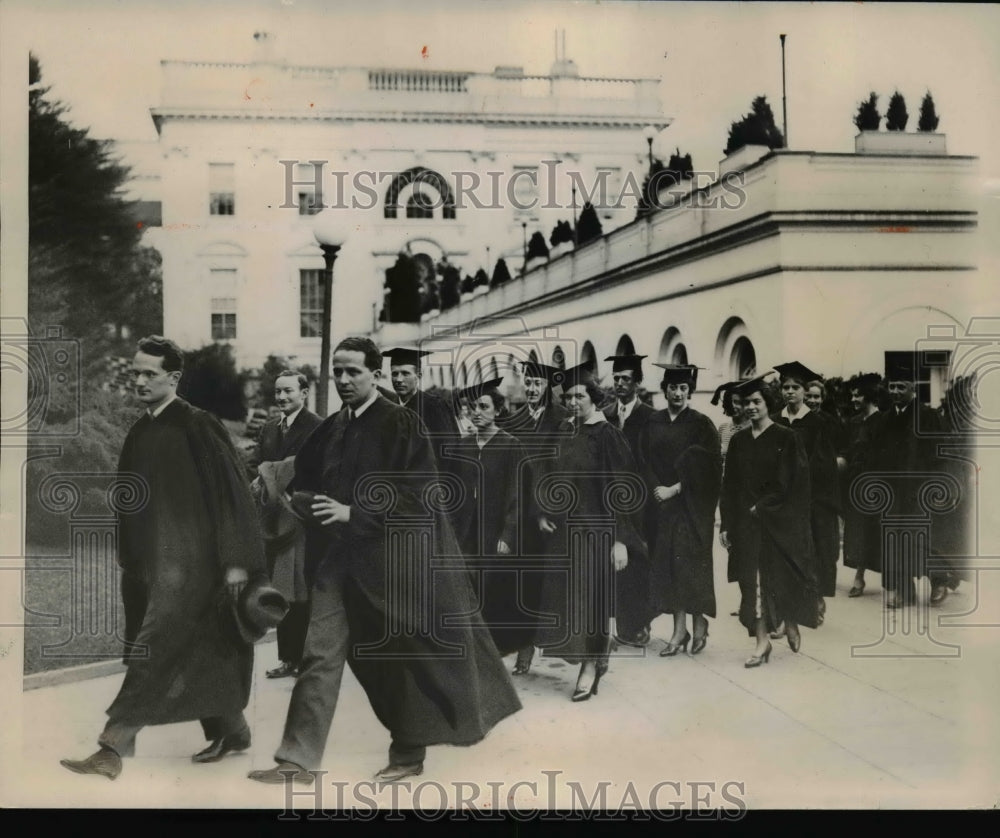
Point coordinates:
pixel 596 417
pixel 163 406
pixel 625 410
pixel 290 418
pixel 357 411
pixel 803 410
pixel 537 412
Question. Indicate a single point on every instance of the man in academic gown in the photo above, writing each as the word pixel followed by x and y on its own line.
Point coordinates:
pixel 187 554
pixel 280 439
pixel 904 440
pixel 539 426
pixel 634 612
pixel 361 481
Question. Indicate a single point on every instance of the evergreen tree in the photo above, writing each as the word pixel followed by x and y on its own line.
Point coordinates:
pixel 404 298
pixel 211 382
pixel 868 118
pixel 537 249
pixel 468 284
pixel 755 128
pixel 482 279
pixel 86 269
pixel 589 226
pixel 561 233
pixel 501 274
pixel 928 115
pixel 451 290
pixel 896 116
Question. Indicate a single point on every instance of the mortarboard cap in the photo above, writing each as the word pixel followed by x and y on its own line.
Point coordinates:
pixel 865 379
pixel 722 388
pixel 476 390
pixel 680 374
pixel 582 374
pixel 626 362
pixel 404 355
pixel 751 385
pixel 533 369
pixel 798 372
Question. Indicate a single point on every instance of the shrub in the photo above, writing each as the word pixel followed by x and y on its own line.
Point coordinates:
pixel 868 118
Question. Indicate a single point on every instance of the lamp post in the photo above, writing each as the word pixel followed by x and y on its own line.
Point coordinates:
pixel 331 233
pixel 784 107
pixel 574 213
pixel 524 247
pixel 649 132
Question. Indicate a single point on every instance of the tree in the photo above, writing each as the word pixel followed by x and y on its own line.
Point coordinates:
pixel 482 279
pixel 468 284
pixel 589 227
pixel 86 269
pixel 451 291
pixel 404 301
pixel 896 116
pixel 868 118
pixel 755 128
pixel 561 233
pixel 661 177
pixel 211 382
pixel 537 249
pixel 501 274
pixel 928 115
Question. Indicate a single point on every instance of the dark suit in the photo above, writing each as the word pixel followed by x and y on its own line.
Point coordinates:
pixel 633 609
pixel 362 609
pixel 274 446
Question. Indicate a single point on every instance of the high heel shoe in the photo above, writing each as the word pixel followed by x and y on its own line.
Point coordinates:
pixel 672 649
pixel 794 640
pixel 757 660
pixel 858 589
pixel 523 663
pixel 699 643
pixel 581 694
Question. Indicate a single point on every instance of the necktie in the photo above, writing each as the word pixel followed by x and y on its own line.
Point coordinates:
pixel 621 416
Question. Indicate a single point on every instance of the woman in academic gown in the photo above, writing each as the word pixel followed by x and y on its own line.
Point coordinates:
pixel 681 461
pixel 764 509
pixel 588 505
pixel 820 447
pixel 490 538
pixel 862 532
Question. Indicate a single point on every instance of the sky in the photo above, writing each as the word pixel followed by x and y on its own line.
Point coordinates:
pixel 102 57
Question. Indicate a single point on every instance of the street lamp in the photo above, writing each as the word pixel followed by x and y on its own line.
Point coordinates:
pixel 331 232
pixel 650 132
pixel 784 106
pixel 524 247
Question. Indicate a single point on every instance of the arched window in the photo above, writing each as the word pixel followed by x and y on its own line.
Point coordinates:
pixel 625 346
pixel 734 352
pixel 588 356
pixel 672 348
pixel 429 191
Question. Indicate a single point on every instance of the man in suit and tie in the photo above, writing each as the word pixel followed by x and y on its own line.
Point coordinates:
pixel 280 439
pixel 630 415
pixel 362 475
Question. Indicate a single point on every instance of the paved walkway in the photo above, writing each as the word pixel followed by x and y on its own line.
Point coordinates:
pixel 870 714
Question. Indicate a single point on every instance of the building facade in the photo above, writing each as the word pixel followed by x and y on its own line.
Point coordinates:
pixel 461 167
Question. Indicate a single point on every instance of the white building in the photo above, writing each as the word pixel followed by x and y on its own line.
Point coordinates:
pixel 456 165
pixel 829 259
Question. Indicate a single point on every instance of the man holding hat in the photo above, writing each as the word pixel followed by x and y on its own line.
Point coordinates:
pixel 188 554
pixel 630 415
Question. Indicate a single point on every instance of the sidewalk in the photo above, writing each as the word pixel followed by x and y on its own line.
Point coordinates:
pixel 910 721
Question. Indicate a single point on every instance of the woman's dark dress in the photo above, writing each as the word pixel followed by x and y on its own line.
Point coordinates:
pixel 862 531
pixel 772 549
pixel 684 450
pixel 594 496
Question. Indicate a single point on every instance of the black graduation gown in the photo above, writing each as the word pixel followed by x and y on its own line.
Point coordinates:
pixel 591 511
pixel 862 530
pixel 429 680
pixel 685 450
pixel 198 521
pixel 773 549
pixel 820 446
pixel 491 513
pixel 634 610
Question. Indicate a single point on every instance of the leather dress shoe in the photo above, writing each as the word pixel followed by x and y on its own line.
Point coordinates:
pixel 939 593
pixel 226 745
pixel 283 772
pixel 104 762
pixel 395 773
pixel 286 670
pixel 637 640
